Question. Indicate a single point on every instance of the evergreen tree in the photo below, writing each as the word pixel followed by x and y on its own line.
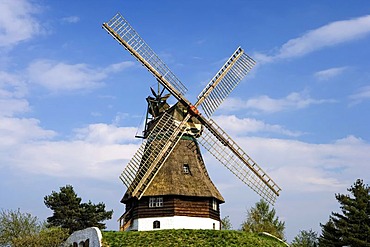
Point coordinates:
pixel 305 239
pixel 351 227
pixel 330 236
pixel 70 213
pixel 93 214
pixel 261 219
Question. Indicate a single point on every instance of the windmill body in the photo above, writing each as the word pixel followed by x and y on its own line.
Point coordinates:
pixel 168 186
pixel 181 195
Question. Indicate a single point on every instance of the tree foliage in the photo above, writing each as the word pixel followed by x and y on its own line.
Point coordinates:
pixel 70 213
pixel 329 235
pixel 19 229
pixel 14 224
pixel 47 237
pixel 226 223
pixel 351 227
pixel 305 239
pixel 261 219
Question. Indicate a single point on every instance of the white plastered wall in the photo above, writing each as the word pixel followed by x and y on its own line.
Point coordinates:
pixel 175 222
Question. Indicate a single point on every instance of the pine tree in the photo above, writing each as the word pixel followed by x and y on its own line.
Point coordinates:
pixel 351 227
pixel 330 236
pixel 70 213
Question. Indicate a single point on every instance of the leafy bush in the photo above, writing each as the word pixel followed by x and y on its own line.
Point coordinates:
pixel 19 229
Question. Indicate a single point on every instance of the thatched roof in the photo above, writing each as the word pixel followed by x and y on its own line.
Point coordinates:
pixel 171 179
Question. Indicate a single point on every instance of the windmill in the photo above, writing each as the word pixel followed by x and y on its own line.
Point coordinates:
pixel 167 182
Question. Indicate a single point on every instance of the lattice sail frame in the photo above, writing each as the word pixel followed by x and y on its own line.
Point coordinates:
pixel 217 142
pixel 121 30
pixel 238 162
pixel 227 78
pixel 152 153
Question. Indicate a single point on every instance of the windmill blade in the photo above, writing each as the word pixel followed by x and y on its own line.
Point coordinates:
pixel 165 97
pixel 227 78
pixel 224 149
pixel 153 92
pixel 151 155
pixel 122 31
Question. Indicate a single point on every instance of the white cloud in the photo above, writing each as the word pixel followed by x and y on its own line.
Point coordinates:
pixel 13 85
pixel 71 19
pixel 73 159
pixel 263 103
pixel 12 92
pixel 105 134
pixel 232 125
pixel 11 107
pixel 96 114
pixel 262 58
pixel 117 67
pixel 329 73
pixel 300 166
pixel 17 22
pixel 328 35
pixel 95 152
pixel 307 179
pixel 362 94
pixel 16 131
pixel 59 76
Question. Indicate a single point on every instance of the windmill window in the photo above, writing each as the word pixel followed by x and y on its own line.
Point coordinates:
pixel 186 169
pixel 159 202
pixel 214 205
pixel 155 202
pixel 156 224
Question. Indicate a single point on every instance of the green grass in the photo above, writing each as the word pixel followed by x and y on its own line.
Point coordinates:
pixel 182 237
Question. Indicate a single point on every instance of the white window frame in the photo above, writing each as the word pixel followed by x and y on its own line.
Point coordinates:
pixel 159 202
pixel 214 204
pixel 152 202
pixel 155 202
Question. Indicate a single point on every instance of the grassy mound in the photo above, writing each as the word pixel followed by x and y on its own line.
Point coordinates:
pixel 183 237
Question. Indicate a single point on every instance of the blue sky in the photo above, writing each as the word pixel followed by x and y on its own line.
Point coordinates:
pixel 72 99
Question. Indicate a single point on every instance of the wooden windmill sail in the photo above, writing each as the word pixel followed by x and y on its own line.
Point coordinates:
pixel 166 178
